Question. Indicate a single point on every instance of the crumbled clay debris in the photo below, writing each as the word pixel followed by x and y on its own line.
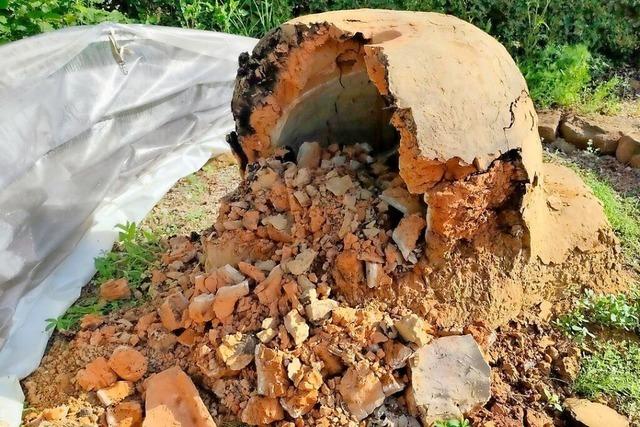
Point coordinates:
pixel 269 331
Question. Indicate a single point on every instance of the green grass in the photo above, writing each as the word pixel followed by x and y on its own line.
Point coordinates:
pixel 133 256
pixel 623 213
pixel 563 76
pixel 612 373
pixel 610 370
pixel 591 311
pixel 195 185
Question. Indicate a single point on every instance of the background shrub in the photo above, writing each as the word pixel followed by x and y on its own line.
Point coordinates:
pixel 565 48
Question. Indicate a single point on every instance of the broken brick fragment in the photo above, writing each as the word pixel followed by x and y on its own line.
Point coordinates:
pixel 115 393
pixel 362 391
pixel 300 402
pixel 171 311
pixel 251 271
pixel 128 363
pixel 413 329
pixel 225 300
pixel 270 289
pixel 201 308
pixel 115 289
pixel 237 350
pixel 296 326
pixel 309 155
pixel 96 375
pixel 125 414
pixel 271 376
pixel 171 399
pixel 406 234
pixel 262 411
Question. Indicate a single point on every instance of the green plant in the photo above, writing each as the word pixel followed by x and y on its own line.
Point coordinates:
pixel 623 212
pixel 133 256
pixel 612 372
pixel 452 423
pixel 557 75
pixel 195 185
pixel 246 17
pixel 552 399
pixel 603 98
pixel 618 311
pixel 23 18
pixel 89 305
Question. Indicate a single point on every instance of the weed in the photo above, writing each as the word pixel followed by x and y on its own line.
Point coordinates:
pixel 618 311
pixel 133 257
pixel 195 185
pixel 246 17
pixel 557 74
pixel 552 399
pixel 23 18
pixel 195 215
pixel 623 212
pixel 89 305
pixel 452 423
pixel 612 372
pixel 603 98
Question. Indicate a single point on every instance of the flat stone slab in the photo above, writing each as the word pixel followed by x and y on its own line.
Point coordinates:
pixel 449 378
pixel 591 414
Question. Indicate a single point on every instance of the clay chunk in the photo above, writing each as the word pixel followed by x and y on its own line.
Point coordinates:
pixel 96 375
pixel 172 400
pixel 449 377
pixel 361 390
pixel 262 410
pixel 591 414
pixel 112 290
pixel 128 363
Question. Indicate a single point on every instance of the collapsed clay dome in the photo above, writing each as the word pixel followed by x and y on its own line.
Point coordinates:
pixel 444 94
pixel 448 105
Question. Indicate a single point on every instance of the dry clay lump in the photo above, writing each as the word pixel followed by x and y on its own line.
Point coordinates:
pixel 592 414
pixel 171 399
pixel 449 378
pixel 448 107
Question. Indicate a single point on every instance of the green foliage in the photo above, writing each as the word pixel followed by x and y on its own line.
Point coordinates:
pixel 562 76
pixel 552 399
pixel 603 98
pixel 246 17
pixel 623 212
pixel 22 18
pixel 558 74
pixel 612 372
pixel 618 311
pixel 452 423
pixel 134 255
pixel 196 185
pixel 91 305
pixel 610 27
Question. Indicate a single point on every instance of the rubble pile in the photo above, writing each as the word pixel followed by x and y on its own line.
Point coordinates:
pixel 294 250
pixel 281 333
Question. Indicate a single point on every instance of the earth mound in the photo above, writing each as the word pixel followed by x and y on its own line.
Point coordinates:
pixel 447 106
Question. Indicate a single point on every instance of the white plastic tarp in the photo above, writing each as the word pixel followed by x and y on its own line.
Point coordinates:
pixel 96 124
